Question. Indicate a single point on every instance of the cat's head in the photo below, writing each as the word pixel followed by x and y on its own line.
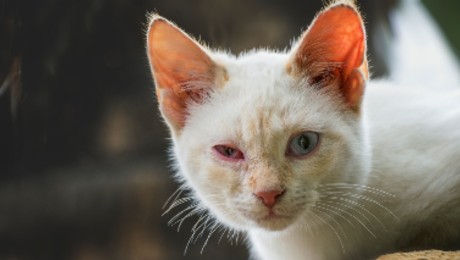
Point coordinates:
pixel 256 135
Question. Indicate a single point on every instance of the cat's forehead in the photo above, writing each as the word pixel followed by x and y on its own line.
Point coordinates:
pixel 255 63
pixel 260 102
pixel 257 75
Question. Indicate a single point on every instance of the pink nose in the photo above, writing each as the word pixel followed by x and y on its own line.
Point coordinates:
pixel 269 198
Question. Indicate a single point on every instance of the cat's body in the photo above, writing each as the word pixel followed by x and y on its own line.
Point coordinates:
pixel 281 146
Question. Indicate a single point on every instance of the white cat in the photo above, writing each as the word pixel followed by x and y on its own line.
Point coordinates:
pixel 298 150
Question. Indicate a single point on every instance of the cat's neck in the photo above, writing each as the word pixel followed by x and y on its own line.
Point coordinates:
pixel 320 237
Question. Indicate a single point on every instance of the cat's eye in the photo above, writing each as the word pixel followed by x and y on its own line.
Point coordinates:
pixel 228 152
pixel 302 144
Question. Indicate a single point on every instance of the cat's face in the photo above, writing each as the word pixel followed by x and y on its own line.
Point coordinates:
pixel 256 136
pixel 284 136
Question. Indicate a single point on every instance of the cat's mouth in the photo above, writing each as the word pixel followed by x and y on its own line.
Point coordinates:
pixel 274 221
pixel 271 216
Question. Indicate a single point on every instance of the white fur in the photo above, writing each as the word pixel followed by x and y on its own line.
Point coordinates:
pixel 384 179
pixel 414 158
pixel 415 140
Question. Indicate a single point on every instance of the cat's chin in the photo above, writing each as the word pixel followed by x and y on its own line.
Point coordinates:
pixel 274 222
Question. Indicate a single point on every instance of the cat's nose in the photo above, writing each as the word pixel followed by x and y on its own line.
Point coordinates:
pixel 269 198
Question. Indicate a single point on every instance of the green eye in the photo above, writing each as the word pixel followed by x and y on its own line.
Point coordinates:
pixel 302 144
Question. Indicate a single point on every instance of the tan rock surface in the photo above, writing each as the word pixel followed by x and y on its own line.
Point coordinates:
pixel 423 255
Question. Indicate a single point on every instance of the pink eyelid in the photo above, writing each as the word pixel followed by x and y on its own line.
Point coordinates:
pixel 219 151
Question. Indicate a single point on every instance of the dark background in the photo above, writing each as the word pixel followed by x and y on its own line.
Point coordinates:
pixel 83 167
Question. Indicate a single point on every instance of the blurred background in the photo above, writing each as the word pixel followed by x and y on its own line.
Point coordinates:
pixel 83 165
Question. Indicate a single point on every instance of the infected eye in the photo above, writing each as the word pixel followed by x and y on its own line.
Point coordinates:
pixel 228 153
pixel 302 144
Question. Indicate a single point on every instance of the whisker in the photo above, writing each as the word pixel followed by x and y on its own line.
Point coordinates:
pixel 361 207
pixel 190 214
pixel 233 237
pixel 198 223
pixel 194 231
pixel 323 211
pixel 379 192
pixel 211 232
pixel 315 222
pixel 188 243
pixel 322 207
pixel 203 228
pixel 363 198
pixel 222 235
pixel 237 237
pixel 175 217
pixel 351 215
pixel 333 230
pixel 308 228
pixel 176 203
pixel 174 195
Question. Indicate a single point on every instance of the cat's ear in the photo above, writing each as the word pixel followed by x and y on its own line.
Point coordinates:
pixel 183 71
pixel 332 53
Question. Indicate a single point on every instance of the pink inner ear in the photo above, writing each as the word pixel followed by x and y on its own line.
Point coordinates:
pixel 175 57
pixel 180 68
pixel 335 43
pixel 337 35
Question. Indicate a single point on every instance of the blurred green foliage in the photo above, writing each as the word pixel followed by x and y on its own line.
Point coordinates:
pixel 447 14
